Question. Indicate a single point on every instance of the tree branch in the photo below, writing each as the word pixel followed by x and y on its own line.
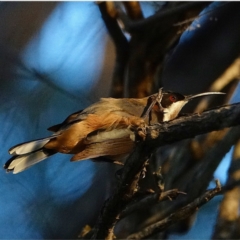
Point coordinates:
pixel 122 50
pixel 193 125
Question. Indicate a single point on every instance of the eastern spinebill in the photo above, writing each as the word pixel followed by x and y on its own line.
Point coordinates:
pixel 105 129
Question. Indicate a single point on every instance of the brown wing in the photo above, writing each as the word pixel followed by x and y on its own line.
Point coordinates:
pixel 111 147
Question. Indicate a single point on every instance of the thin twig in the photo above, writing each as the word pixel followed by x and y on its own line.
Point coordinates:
pixel 177 216
pixel 150 200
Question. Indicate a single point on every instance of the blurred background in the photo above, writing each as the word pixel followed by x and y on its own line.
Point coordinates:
pixel 59 57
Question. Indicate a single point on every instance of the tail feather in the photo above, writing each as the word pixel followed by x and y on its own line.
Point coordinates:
pixel 20 163
pixel 27 147
pixel 27 154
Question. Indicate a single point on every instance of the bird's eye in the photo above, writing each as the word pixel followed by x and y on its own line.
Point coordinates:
pixel 172 98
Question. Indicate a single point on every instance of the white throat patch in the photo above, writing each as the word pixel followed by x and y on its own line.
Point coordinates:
pixel 172 112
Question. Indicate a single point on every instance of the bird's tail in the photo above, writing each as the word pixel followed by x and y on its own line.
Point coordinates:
pixel 27 154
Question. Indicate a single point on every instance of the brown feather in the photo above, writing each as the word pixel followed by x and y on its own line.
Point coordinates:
pixel 112 147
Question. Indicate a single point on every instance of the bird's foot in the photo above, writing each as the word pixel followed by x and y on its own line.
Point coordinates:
pixel 139 128
pixel 142 131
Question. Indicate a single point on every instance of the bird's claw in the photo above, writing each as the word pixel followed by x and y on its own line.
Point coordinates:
pixel 142 131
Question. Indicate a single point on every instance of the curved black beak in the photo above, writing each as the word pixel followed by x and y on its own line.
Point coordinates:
pixel 190 97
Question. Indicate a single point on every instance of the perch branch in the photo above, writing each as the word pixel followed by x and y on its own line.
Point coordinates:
pixel 193 125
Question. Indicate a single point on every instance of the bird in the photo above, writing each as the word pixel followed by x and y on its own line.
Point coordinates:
pixel 106 130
